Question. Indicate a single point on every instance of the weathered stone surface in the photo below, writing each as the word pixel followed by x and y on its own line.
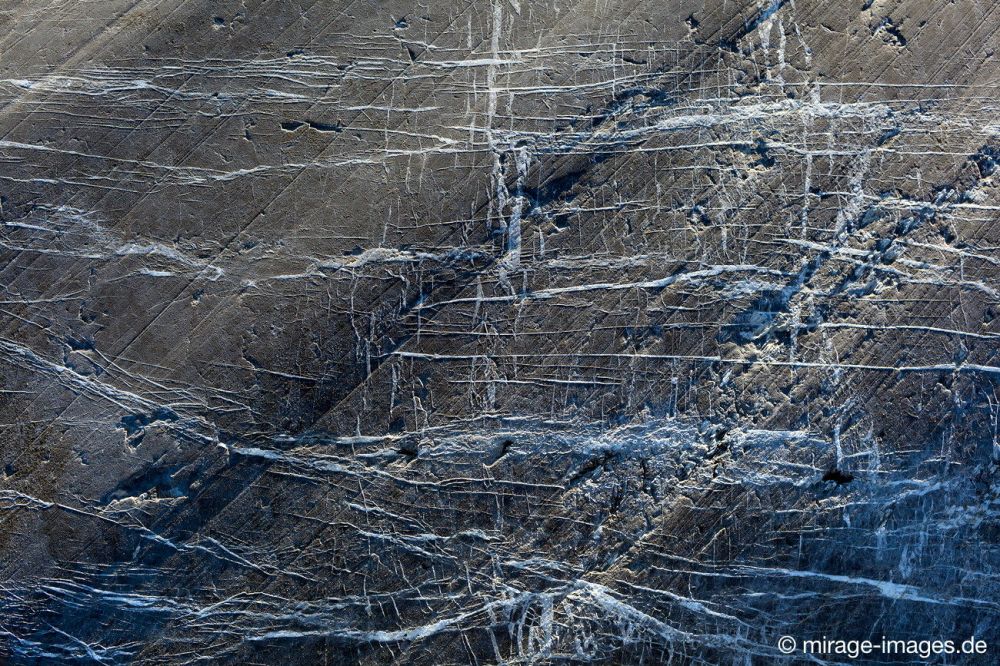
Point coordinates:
pixel 497 332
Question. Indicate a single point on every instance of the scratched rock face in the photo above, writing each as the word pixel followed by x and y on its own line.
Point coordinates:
pixel 497 332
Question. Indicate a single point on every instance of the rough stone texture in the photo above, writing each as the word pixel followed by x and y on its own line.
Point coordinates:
pixel 497 332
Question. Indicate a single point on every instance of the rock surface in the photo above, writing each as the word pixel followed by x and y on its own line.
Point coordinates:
pixel 497 333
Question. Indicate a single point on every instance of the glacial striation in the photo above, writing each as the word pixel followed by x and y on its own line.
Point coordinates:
pixel 499 332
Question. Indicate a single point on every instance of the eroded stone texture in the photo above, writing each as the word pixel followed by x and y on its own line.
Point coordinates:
pixel 497 332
